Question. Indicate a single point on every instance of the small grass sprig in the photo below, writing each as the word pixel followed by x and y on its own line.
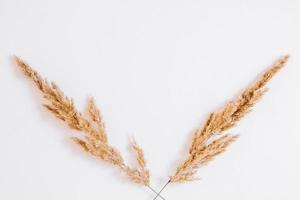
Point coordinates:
pixel 95 139
pixel 205 144
pixel 212 140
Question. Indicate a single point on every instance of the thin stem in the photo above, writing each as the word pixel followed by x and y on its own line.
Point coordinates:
pixel 162 189
pixel 155 192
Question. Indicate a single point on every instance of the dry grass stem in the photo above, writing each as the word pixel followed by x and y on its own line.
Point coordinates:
pixel 94 140
pixel 210 141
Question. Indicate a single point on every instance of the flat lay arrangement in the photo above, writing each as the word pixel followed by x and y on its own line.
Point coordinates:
pixel 208 142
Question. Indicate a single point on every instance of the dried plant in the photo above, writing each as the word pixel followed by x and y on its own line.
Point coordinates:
pixel 94 140
pixel 210 141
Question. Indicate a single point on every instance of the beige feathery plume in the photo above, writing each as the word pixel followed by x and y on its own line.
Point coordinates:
pixel 94 140
pixel 211 140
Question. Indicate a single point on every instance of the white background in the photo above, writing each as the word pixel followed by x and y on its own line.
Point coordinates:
pixel 156 68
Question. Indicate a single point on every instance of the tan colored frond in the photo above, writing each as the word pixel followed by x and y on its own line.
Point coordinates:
pixel 95 137
pixel 205 147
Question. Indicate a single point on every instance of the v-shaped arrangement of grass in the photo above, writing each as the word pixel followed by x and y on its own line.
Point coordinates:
pixel 208 142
